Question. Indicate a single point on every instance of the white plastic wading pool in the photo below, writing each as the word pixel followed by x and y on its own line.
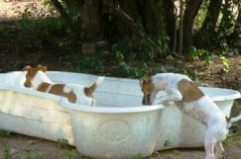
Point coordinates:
pixel 118 127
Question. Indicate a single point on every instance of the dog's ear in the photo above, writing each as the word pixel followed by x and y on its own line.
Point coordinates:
pixel 26 68
pixel 42 68
pixel 144 80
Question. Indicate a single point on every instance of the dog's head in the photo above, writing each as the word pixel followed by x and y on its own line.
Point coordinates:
pixel 147 88
pixel 31 73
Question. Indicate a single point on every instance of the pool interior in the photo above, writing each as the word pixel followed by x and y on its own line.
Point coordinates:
pixel 133 98
pixel 117 92
pixel 110 99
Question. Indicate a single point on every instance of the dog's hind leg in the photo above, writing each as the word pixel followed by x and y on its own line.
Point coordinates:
pixel 209 145
pixel 219 149
pixel 209 150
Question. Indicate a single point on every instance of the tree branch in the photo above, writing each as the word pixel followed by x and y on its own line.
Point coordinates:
pixel 112 9
pixel 63 13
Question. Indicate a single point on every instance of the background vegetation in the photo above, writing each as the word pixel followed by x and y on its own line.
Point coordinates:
pixel 122 37
pixel 154 28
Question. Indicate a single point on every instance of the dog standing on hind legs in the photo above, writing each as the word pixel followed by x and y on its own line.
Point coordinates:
pixel 192 101
pixel 37 79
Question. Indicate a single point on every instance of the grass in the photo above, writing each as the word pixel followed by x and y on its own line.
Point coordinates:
pixel 234 136
pixel 173 155
pixel 32 156
pixel 7 153
pixel 63 143
pixel 4 133
pixel 72 154
pixel 137 156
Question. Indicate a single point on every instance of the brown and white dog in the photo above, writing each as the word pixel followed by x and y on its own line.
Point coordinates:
pixel 37 79
pixel 191 100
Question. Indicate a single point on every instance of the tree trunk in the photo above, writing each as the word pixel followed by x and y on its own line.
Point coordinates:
pixel 180 35
pixel 234 38
pixel 128 17
pixel 237 28
pixel 206 37
pixel 121 18
pixel 66 18
pixel 211 18
pixel 150 17
pixel 92 23
pixel 192 7
pixel 117 20
pixel 226 19
pixel 238 21
pixel 169 19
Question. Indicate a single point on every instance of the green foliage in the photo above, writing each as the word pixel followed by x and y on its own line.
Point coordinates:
pixel 6 153
pixel 233 136
pixel 139 44
pixel 31 156
pixel 137 156
pixel 47 2
pixel 191 73
pixel 129 69
pixel 5 33
pixel 63 143
pixel 225 63
pixel 201 54
pixel 44 29
pixel 4 133
pixel 227 26
pixel 88 63
pixel 131 54
pixel 72 13
pixel 133 71
pixel 70 155
pixel 225 45
pixel 235 131
pixel 105 63
pixel 141 47
pixel 173 155
pixel 73 155
pixel 228 19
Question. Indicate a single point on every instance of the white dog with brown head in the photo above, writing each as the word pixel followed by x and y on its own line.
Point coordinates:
pixel 191 100
pixel 37 79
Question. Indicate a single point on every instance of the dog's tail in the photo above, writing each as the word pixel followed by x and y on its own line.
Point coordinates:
pixel 90 90
pixel 234 120
pixel 99 81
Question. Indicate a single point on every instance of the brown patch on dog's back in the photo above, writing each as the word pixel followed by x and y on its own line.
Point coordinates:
pixel 58 89
pixel 189 91
pixel 43 87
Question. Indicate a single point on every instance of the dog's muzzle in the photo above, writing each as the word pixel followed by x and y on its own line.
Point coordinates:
pixel 146 100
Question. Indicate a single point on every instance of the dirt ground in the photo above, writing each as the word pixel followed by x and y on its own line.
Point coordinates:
pixel 16 146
